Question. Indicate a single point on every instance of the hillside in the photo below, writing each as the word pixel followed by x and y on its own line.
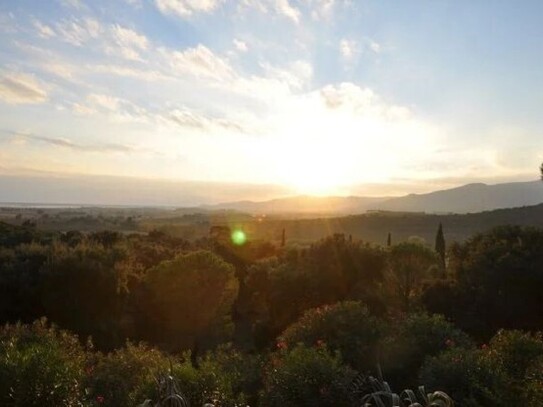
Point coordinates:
pixel 464 199
pixel 469 198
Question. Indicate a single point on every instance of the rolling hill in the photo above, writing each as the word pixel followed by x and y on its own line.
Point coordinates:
pixel 465 199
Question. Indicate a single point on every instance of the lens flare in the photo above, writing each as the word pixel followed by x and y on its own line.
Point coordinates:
pixel 238 237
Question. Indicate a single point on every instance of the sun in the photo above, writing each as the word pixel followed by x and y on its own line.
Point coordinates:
pixel 316 168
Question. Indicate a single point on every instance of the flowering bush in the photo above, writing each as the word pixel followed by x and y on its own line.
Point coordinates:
pixel 412 340
pixel 346 327
pixel 124 377
pixel 306 376
pixel 40 366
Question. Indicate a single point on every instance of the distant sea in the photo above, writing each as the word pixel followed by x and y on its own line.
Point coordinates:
pixel 40 205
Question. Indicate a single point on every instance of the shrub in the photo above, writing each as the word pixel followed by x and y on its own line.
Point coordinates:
pixel 40 366
pixel 346 327
pixel 237 376
pixel 306 377
pixel 412 340
pixel 125 377
pixel 467 376
pixel 519 355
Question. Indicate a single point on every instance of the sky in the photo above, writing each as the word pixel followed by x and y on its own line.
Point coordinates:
pixel 267 98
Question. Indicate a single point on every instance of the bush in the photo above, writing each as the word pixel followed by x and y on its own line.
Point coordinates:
pixel 467 376
pixel 40 366
pixel 519 355
pixel 306 377
pixel 412 340
pixel 346 327
pixel 125 377
pixel 237 376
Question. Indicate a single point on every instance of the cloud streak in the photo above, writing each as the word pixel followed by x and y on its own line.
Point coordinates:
pixel 71 145
pixel 21 88
pixel 186 8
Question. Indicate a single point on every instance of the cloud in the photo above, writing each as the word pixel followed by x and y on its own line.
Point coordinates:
pixel 321 9
pixel 116 108
pixel 361 102
pixel 129 38
pixel 347 48
pixel 20 88
pixel 148 75
pixel 240 45
pixel 373 46
pixel 296 75
pixel 43 30
pixel 186 8
pixel 200 62
pixel 280 7
pixel 78 4
pixel 186 118
pixel 123 110
pixel 129 43
pixel 92 148
pixel 79 31
pixel 284 8
pixel 134 3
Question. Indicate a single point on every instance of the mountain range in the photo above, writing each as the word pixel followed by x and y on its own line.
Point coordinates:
pixel 468 198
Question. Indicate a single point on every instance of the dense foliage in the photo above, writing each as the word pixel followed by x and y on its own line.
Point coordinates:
pixel 260 324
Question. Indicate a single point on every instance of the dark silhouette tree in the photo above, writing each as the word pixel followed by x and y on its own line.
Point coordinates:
pixel 409 265
pixel 191 298
pixel 389 240
pixel 440 245
pixel 541 171
pixel 283 238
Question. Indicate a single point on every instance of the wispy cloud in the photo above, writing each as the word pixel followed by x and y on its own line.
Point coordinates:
pixel 21 88
pixel 283 8
pixel 322 9
pixel 348 48
pixel 79 31
pixel 43 30
pixel 240 45
pixel 186 8
pixel 77 4
pixel 286 9
pixel 187 118
pixel 199 61
pixel 90 148
pixel 116 108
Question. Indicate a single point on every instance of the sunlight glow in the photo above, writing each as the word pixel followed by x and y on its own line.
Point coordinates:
pixel 239 238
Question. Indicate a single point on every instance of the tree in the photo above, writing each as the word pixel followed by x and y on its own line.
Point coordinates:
pixel 413 339
pixel 499 275
pixel 190 297
pixel 346 327
pixel 408 267
pixel 541 171
pixel 440 246
pixel 306 377
pixel 40 366
pixel 84 291
pixel 389 240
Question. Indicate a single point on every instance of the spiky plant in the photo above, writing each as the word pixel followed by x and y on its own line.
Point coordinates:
pixel 168 393
pixel 371 392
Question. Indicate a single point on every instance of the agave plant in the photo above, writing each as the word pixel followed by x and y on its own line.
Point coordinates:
pixel 168 393
pixel 371 392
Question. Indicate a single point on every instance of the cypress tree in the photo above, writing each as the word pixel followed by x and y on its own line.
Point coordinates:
pixel 440 245
pixel 389 240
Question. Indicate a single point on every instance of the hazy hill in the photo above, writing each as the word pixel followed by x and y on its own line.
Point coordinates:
pixel 469 198
pixel 303 204
pixel 465 199
pixel 372 226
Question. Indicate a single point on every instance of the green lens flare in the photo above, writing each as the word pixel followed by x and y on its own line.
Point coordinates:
pixel 238 237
